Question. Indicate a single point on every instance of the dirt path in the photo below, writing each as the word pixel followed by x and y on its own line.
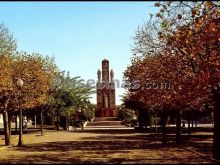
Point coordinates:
pixel 94 147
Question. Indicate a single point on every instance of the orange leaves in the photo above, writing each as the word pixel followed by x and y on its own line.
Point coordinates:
pixel 218 76
pixel 213 27
pixel 199 6
pixel 159 15
pixel 187 55
pixel 190 32
pixel 209 4
pixel 30 68
pixel 195 11
pixel 201 19
pixel 161 35
pixel 177 35
pixel 197 25
pixel 6 73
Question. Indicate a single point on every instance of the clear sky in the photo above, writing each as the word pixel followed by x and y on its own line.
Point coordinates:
pixel 78 34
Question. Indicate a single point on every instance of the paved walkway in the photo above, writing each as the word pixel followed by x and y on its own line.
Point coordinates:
pixel 96 147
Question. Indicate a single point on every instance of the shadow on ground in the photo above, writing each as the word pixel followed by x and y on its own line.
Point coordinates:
pixel 130 148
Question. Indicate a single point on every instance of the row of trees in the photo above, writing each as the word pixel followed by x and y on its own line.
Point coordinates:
pixel 179 45
pixel 43 87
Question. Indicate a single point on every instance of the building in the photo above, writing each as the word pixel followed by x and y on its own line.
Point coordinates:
pixel 105 106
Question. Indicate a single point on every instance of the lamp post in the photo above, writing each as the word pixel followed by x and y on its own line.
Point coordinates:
pixel 20 83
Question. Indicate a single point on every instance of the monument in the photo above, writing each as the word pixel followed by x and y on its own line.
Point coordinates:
pixel 105 92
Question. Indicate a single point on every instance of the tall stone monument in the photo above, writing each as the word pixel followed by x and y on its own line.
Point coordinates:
pixel 105 92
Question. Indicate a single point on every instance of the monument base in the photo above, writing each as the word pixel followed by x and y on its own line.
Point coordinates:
pixel 106 112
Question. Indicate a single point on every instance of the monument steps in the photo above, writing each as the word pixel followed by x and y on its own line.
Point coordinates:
pixel 105 123
pixel 105 119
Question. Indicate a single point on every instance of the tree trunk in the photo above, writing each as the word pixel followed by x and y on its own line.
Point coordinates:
pixel 35 121
pixel 16 123
pixel 41 119
pixel 20 141
pixel 164 118
pixel 216 135
pixel 58 120
pixel 189 130
pixel 6 128
pixel 140 119
pixel 155 123
pixel 67 123
pixel 9 125
pixel 178 127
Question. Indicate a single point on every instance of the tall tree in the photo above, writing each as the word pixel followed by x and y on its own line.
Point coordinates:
pixel 183 50
pixel 7 48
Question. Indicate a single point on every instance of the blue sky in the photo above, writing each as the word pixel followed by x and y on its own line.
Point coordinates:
pixel 78 34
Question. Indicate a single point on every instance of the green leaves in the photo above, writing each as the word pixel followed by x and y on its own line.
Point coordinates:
pixel 165 24
pixel 71 92
pixel 7 42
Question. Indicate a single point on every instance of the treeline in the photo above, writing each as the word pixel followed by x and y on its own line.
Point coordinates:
pixel 33 84
pixel 180 45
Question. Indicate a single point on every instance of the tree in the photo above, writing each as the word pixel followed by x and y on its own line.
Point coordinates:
pixel 32 70
pixel 69 94
pixel 7 48
pixel 176 53
pixel 196 43
pixel 7 41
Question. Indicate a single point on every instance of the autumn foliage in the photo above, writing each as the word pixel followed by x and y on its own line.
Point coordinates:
pixel 44 87
pixel 180 44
